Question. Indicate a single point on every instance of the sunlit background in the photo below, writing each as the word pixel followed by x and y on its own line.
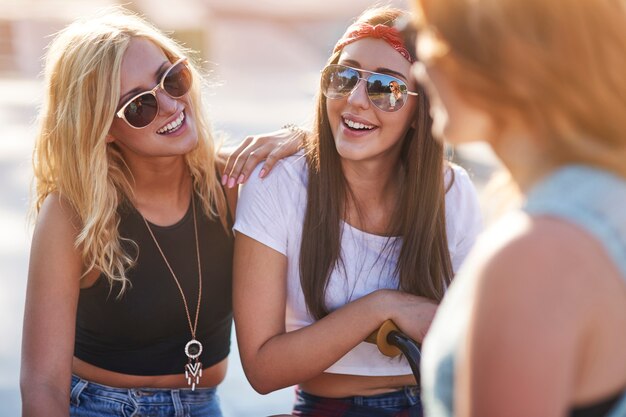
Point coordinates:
pixel 263 57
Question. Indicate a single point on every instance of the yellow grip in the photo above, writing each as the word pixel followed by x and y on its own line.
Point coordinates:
pixel 380 338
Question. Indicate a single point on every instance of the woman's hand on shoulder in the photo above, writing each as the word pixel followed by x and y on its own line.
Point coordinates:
pixel 271 147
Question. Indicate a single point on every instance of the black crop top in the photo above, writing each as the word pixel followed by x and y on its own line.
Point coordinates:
pixel 145 332
pixel 598 409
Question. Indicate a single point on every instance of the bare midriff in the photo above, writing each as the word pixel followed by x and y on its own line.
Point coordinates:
pixel 339 385
pixel 211 377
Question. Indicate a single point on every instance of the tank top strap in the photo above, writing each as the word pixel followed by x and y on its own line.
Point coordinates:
pixel 589 197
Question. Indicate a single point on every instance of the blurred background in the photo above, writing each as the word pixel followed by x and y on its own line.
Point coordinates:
pixel 263 57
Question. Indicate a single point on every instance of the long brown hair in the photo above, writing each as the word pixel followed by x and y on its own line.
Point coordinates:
pixel 424 266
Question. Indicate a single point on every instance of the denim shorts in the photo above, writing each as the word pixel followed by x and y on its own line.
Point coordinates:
pixel 88 399
pixel 405 402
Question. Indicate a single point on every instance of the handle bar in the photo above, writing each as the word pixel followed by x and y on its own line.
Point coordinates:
pixel 392 342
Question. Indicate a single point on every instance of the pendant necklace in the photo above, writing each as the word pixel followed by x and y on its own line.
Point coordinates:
pixel 193 348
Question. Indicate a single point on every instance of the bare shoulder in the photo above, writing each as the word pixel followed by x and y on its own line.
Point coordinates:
pixel 57 208
pixel 539 287
pixel 544 244
pixel 57 211
pixel 540 260
pixel 55 234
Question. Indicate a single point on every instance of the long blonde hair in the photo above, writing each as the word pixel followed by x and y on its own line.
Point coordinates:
pixel 557 65
pixel 72 157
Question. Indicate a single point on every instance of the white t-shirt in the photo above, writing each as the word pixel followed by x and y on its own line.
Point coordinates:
pixel 271 211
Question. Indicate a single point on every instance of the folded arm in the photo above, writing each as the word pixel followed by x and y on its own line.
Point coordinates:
pixel 273 358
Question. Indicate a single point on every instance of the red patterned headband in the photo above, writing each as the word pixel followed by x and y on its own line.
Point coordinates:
pixel 365 30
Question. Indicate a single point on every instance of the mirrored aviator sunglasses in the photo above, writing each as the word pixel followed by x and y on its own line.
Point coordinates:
pixel 142 109
pixel 386 92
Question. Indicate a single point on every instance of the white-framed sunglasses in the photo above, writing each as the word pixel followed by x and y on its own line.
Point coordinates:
pixel 142 109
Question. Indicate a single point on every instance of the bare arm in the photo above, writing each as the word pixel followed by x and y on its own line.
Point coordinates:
pixel 274 359
pixel 50 313
pixel 412 314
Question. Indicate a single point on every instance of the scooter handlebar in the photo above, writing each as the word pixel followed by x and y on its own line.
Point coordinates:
pixel 392 342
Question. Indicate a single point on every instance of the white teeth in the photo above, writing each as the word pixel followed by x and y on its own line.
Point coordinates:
pixel 173 126
pixel 357 125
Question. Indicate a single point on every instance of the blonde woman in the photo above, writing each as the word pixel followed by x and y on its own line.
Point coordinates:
pixel 534 323
pixel 128 307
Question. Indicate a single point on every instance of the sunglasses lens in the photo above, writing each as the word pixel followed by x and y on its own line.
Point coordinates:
pixel 338 81
pixel 178 80
pixel 386 92
pixel 141 111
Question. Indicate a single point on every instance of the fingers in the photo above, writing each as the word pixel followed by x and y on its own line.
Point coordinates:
pixel 232 158
pixel 284 150
pixel 269 163
pixel 246 157
pixel 270 147
pixel 246 162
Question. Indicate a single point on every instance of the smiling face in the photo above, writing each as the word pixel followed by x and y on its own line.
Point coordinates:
pixel 361 131
pixel 173 131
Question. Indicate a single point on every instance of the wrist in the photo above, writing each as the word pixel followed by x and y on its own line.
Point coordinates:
pixel 382 304
pixel 300 133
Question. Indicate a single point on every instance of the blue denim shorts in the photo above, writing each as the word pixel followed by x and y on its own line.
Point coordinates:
pixel 405 402
pixel 88 399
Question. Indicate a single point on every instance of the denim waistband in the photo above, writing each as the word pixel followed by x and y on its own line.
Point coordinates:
pixel 405 397
pixel 139 396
